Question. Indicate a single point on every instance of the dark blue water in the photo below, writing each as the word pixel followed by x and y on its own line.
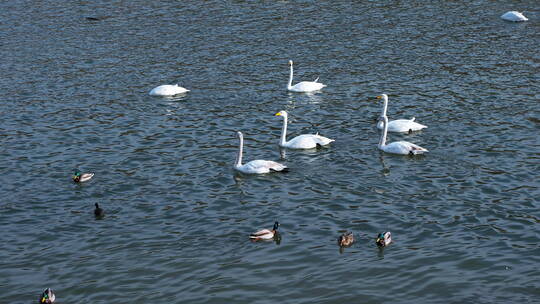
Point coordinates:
pixel 74 94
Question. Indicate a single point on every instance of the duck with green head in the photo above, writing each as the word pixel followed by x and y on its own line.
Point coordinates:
pixel 80 177
pixel 47 297
pixel 384 239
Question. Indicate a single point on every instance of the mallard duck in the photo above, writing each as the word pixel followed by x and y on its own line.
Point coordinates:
pixel 304 141
pixel 304 86
pixel 384 239
pixel 346 239
pixel 47 297
pixel 98 212
pixel 79 177
pixel 258 166
pixel 168 90
pixel 265 234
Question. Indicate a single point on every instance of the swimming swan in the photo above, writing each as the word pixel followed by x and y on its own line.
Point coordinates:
pixel 304 141
pixel 398 147
pixel 168 90
pixel 255 166
pixel 514 16
pixel 304 86
pixel 398 125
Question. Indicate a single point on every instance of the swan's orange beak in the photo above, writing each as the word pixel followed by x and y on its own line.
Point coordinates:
pixel 379 97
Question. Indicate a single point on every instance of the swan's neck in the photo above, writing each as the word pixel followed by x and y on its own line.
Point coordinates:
pixel 385 107
pixel 238 162
pixel 283 140
pixel 289 86
pixel 382 141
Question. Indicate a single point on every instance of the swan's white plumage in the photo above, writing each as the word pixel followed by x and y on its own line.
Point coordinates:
pixel 255 166
pixel 398 125
pixel 304 141
pixel 398 147
pixel 514 16
pixel 304 86
pixel 168 90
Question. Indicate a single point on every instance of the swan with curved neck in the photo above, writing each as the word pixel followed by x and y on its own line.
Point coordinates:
pixel 398 147
pixel 398 125
pixel 255 166
pixel 168 90
pixel 304 86
pixel 304 141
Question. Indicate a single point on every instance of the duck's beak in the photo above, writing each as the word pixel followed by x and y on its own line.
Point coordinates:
pixel 378 240
pixel 42 299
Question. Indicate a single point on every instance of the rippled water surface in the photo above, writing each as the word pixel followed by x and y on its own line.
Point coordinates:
pixel 74 94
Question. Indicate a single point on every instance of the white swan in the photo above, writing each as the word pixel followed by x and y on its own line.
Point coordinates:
pixel 398 147
pixel 514 16
pixel 398 125
pixel 304 86
pixel 168 90
pixel 304 141
pixel 255 166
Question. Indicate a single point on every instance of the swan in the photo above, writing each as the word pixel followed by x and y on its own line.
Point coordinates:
pixel 168 90
pixel 265 234
pixel 514 16
pixel 255 166
pixel 304 141
pixel 398 125
pixel 304 86
pixel 384 239
pixel 47 297
pixel 398 147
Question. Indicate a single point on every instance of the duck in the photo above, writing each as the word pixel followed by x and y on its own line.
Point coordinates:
pixel 384 239
pixel 47 297
pixel 304 141
pixel 514 16
pixel 304 86
pixel 80 177
pixel 265 234
pixel 398 125
pixel 346 239
pixel 98 212
pixel 168 90
pixel 258 166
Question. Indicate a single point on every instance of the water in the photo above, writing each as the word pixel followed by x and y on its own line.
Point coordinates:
pixel 464 217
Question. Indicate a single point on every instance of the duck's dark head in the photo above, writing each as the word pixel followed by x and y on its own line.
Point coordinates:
pixel 276 225
pixel 380 240
pixel 77 175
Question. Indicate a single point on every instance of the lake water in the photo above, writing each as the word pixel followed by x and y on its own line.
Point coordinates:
pixel 74 94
